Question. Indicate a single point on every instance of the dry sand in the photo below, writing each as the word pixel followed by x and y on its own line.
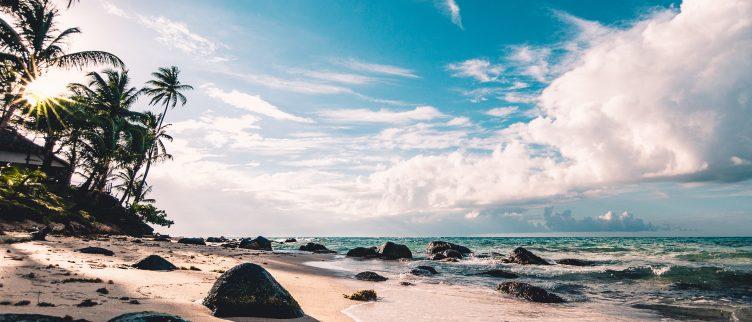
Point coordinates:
pixel 33 271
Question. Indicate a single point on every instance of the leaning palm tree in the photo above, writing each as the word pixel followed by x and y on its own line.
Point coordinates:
pixel 31 44
pixel 149 146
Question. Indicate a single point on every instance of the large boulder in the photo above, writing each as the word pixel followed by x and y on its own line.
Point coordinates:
pixel 390 250
pixel 449 253
pixel 220 239
pixel 258 243
pixel 155 263
pixel 147 316
pixel 316 248
pixel 96 250
pixel 529 292
pixel 248 290
pixel 364 252
pixel 192 241
pixel 499 273
pixel 523 256
pixel 370 276
pixel 424 270
pixel 439 246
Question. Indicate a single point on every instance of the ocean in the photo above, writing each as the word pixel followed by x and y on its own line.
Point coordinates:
pixel 676 278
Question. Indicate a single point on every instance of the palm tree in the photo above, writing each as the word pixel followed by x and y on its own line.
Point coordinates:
pixel 165 89
pixel 149 147
pixel 32 44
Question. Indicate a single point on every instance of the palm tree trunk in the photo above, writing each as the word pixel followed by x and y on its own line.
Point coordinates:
pixel 49 146
pixel 151 156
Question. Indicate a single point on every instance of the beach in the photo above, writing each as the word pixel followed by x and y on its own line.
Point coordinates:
pixel 35 271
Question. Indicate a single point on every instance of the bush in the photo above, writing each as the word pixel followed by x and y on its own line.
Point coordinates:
pixel 150 214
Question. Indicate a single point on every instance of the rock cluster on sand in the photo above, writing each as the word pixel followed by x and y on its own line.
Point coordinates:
pixel 248 290
pixel 155 263
pixel 499 273
pixel 316 248
pixel 362 295
pixel 388 250
pixel 423 270
pixel 192 241
pixel 220 239
pixel 370 276
pixel 41 233
pixel 258 243
pixel 13 317
pixel 96 250
pixel 529 292
pixel 147 316
pixel 523 256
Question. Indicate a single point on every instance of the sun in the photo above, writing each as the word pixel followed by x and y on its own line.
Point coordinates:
pixel 43 89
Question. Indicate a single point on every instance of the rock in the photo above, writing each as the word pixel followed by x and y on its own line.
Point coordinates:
pixel 488 255
pixel 370 276
pixel 41 233
pixel 575 262
pixel 523 256
pixel 17 317
pixel 220 239
pixel 87 303
pixel 248 290
pixel 424 271
pixel 316 248
pixel 529 292
pixel 22 303
pixel 406 283
pixel 137 241
pixel 362 295
pixel 499 273
pixel 162 238
pixel 449 253
pixel 438 246
pixel 103 291
pixel 147 316
pixel 230 245
pixel 155 263
pixel 258 243
pixel 291 240
pixel 96 250
pixel 390 250
pixel 363 252
pixel 192 241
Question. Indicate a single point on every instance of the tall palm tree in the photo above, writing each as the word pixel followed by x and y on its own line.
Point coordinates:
pixel 167 90
pixel 150 145
pixel 31 44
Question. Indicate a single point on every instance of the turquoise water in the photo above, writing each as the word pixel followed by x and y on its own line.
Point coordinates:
pixel 699 273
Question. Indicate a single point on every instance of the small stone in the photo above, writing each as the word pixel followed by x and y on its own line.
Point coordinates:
pixel 370 276
pixel 22 303
pixel 87 303
pixel 103 291
pixel 362 295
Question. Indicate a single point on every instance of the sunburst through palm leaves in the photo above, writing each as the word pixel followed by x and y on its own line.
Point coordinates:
pixel 42 97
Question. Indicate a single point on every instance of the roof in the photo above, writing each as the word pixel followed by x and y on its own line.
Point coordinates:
pixel 11 140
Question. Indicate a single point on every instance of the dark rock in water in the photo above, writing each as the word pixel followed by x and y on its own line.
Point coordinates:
pixel 220 239
pixel 681 313
pixel 147 316
pixel 155 263
pixel 423 271
pixel 369 252
pixel 449 253
pixel 529 292
pixel 370 276
pixel 362 295
pixel 438 246
pixel 523 256
pixel 96 250
pixel 17 317
pixel 258 243
pixel 390 250
pixel 499 273
pixel 41 233
pixel 488 255
pixel 162 238
pixel 316 248
pixel 248 290
pixel 291 240
pixel 575 262
pixel 192 241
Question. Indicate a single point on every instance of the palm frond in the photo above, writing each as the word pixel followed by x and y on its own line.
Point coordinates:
pixel 87 58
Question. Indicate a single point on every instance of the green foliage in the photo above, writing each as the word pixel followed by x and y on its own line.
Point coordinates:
pixel 23 193
pixel 150 214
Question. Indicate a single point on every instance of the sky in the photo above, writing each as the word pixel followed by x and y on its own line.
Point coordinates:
pixel 446 117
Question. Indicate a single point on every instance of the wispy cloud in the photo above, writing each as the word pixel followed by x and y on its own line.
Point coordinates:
pixel 252 103
pixel 344 78
pixel 379 68
pixel 453 9
pixel 480 69
pixel 420 113
pixel 502 111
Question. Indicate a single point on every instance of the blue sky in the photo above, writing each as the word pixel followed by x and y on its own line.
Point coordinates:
pixel 446 117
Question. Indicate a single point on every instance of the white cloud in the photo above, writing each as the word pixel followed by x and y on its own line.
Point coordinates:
pixel 177 35
pixel 344 78
pixel 480 69
pixel 252 103
pixel 502 111
pixel 420 113
pixel 454 12
pixel 298 86
pixel 459 121
pixel 379 68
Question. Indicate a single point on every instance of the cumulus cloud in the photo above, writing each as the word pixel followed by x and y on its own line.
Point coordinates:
pixel 565 222
pixel 480 69
pixel 252 103
pixel 420 113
